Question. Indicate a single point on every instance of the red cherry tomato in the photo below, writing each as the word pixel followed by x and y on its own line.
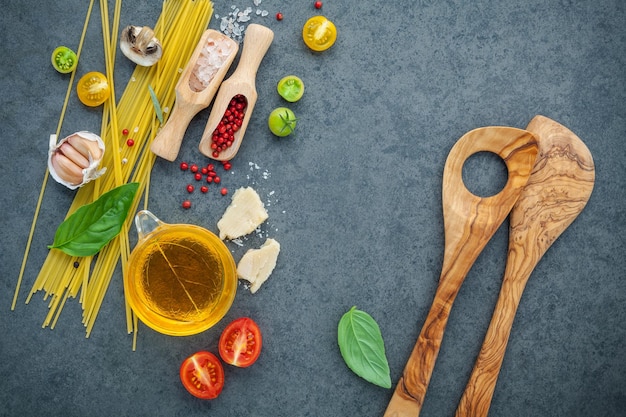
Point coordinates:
pixel 202 375
pixel 240 343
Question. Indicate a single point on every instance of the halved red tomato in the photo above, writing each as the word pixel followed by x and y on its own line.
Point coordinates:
pixel 240 343
pixel 202 375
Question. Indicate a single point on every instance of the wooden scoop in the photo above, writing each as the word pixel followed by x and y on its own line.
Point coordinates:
pixel 469 222
pixel 256 42
pixel 557 191
pixel 192 94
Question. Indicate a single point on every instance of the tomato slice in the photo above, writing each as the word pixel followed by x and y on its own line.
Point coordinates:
pixel 64 59
pixel 319 33
pixel 291 88
pixel 202 375
pixel 93 89
pixel 240 342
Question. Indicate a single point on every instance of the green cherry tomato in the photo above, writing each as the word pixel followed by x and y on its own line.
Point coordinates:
pixel 282 121
pixel 291 88
pixel 64 59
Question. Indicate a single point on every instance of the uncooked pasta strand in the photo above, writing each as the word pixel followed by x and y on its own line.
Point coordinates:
pixel 180 26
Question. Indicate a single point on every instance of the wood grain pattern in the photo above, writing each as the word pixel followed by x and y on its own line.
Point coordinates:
pixel 469 222
pixel 256 42
pixel 189 102
pixel 557 191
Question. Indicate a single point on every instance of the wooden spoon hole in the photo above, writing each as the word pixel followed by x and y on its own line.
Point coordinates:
pixel 485 174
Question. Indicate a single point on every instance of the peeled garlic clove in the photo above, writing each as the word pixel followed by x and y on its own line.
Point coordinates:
pixel 140 45
pixel 75 160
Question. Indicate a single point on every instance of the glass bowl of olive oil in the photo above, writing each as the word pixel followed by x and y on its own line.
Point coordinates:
pixel 181 279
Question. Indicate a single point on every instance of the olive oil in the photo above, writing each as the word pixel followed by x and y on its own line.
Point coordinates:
pixel 181 275
pixel 181 279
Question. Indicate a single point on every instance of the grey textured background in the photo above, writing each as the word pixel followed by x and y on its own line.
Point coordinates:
pixel 355 201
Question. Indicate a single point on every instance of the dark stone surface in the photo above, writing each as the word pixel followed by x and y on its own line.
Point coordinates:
pixel 355 201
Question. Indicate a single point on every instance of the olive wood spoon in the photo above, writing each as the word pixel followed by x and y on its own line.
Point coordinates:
pixel 556 193
pixel 256 42
pixel 470 222
pixel 188 101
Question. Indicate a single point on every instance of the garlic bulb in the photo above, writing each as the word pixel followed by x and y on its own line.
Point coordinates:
pixel 75 160
pixel 140 45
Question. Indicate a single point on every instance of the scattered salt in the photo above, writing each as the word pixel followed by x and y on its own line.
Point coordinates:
pixel 233 24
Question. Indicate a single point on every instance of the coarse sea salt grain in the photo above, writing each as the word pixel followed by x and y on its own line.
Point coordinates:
pixel 212 57
pixel 233 24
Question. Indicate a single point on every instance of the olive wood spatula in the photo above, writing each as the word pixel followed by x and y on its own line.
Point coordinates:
pixel 556 193
pixel 470 222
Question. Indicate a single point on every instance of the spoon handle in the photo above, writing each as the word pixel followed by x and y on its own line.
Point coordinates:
pixel 256 42
pixel 480 388
pixel 557 191
pixel 169 139
pixel 470 222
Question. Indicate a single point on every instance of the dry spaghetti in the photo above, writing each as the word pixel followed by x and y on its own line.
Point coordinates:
pixel 179 27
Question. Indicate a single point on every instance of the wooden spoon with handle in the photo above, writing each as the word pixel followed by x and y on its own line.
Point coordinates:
pixel 469 221
pixel 557 191
pixel 189 101
pixel 256 42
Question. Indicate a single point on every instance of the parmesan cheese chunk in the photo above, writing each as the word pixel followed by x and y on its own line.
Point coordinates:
pixel 244 214
pixel 257 265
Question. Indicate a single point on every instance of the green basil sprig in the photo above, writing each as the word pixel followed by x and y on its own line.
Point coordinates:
pixel 92 226
pixel 362 347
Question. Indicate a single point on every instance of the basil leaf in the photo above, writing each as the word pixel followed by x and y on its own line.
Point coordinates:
pixel 93 225
pixel 362 347
pixel 156 104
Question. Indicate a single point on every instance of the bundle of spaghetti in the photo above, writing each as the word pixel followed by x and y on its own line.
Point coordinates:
pixel 179 28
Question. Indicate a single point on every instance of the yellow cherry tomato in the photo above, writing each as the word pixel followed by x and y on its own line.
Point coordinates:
pixel 319 33
pixel 93 89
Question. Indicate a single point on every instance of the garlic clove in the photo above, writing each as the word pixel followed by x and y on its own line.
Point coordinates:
pixel 75 160
pixel 140 45
pixel 89 148
pixel 66 169
pixel 70 152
